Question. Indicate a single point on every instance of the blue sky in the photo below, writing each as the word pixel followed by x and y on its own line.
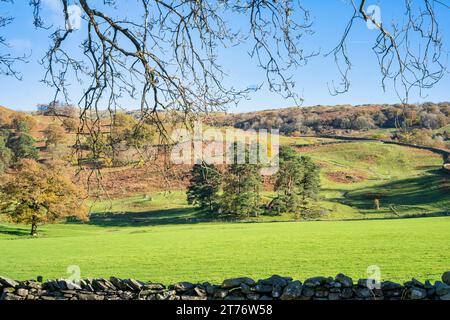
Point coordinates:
pixel 329 16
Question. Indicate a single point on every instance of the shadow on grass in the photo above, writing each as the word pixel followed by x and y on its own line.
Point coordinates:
pixel 409 193
pixel 151 218
pixel 13 231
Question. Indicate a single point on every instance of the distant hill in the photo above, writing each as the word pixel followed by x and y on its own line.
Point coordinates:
pixel 5 110
pixel 320 119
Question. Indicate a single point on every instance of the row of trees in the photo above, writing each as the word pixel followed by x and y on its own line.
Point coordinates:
pixel 424 137
pixel 58 109
pixel 292 121
pixel 117 135
pixel 297 184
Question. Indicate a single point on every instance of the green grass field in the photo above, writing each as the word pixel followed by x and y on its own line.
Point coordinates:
pixel 402 248
pixel 407 181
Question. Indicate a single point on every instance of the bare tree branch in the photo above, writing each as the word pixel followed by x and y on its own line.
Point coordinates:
pixel 410 55
pixel 8 60
pixel 166 55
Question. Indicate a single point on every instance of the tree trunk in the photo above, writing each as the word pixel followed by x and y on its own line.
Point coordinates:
pixel 377 203
pixel 33 232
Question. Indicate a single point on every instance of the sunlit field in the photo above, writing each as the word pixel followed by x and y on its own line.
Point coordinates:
pixel 402 249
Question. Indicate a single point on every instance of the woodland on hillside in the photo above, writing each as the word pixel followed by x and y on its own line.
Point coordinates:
pixel 422 124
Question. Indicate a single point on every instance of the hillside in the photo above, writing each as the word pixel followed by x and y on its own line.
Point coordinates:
pixel 352 176
pixel 407 182
pixel 426 124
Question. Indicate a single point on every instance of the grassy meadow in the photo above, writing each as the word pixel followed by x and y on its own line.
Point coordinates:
pixel 157 236
pixel 402 248
pixel 407 181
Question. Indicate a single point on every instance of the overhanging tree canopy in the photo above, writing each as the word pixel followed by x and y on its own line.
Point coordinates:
pixel 167 55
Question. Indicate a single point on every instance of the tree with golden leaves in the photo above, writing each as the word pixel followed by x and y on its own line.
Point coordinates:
pixel 54 134
pixel 38 194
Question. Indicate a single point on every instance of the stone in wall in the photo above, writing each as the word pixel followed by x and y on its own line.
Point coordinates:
pixel 276 287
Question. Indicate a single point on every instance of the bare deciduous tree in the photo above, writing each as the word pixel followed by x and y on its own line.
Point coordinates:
pixel 7 59
pixel 166 54
pixel 410 53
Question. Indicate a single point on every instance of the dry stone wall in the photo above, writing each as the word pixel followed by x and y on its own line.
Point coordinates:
pixel 276 287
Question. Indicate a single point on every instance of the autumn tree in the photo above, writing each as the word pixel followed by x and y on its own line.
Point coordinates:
pixel 37 195
pixel 122 124
pixel 141 136
pixel 126 129
pixel 70 124
pixel 54 134
pixel 126 133
pixel 204 186
pixel 421 137
pixel 363 123
pixel 100 151
pixel 22 122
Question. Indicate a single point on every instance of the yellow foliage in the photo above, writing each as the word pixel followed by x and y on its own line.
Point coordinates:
pixel 38 194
